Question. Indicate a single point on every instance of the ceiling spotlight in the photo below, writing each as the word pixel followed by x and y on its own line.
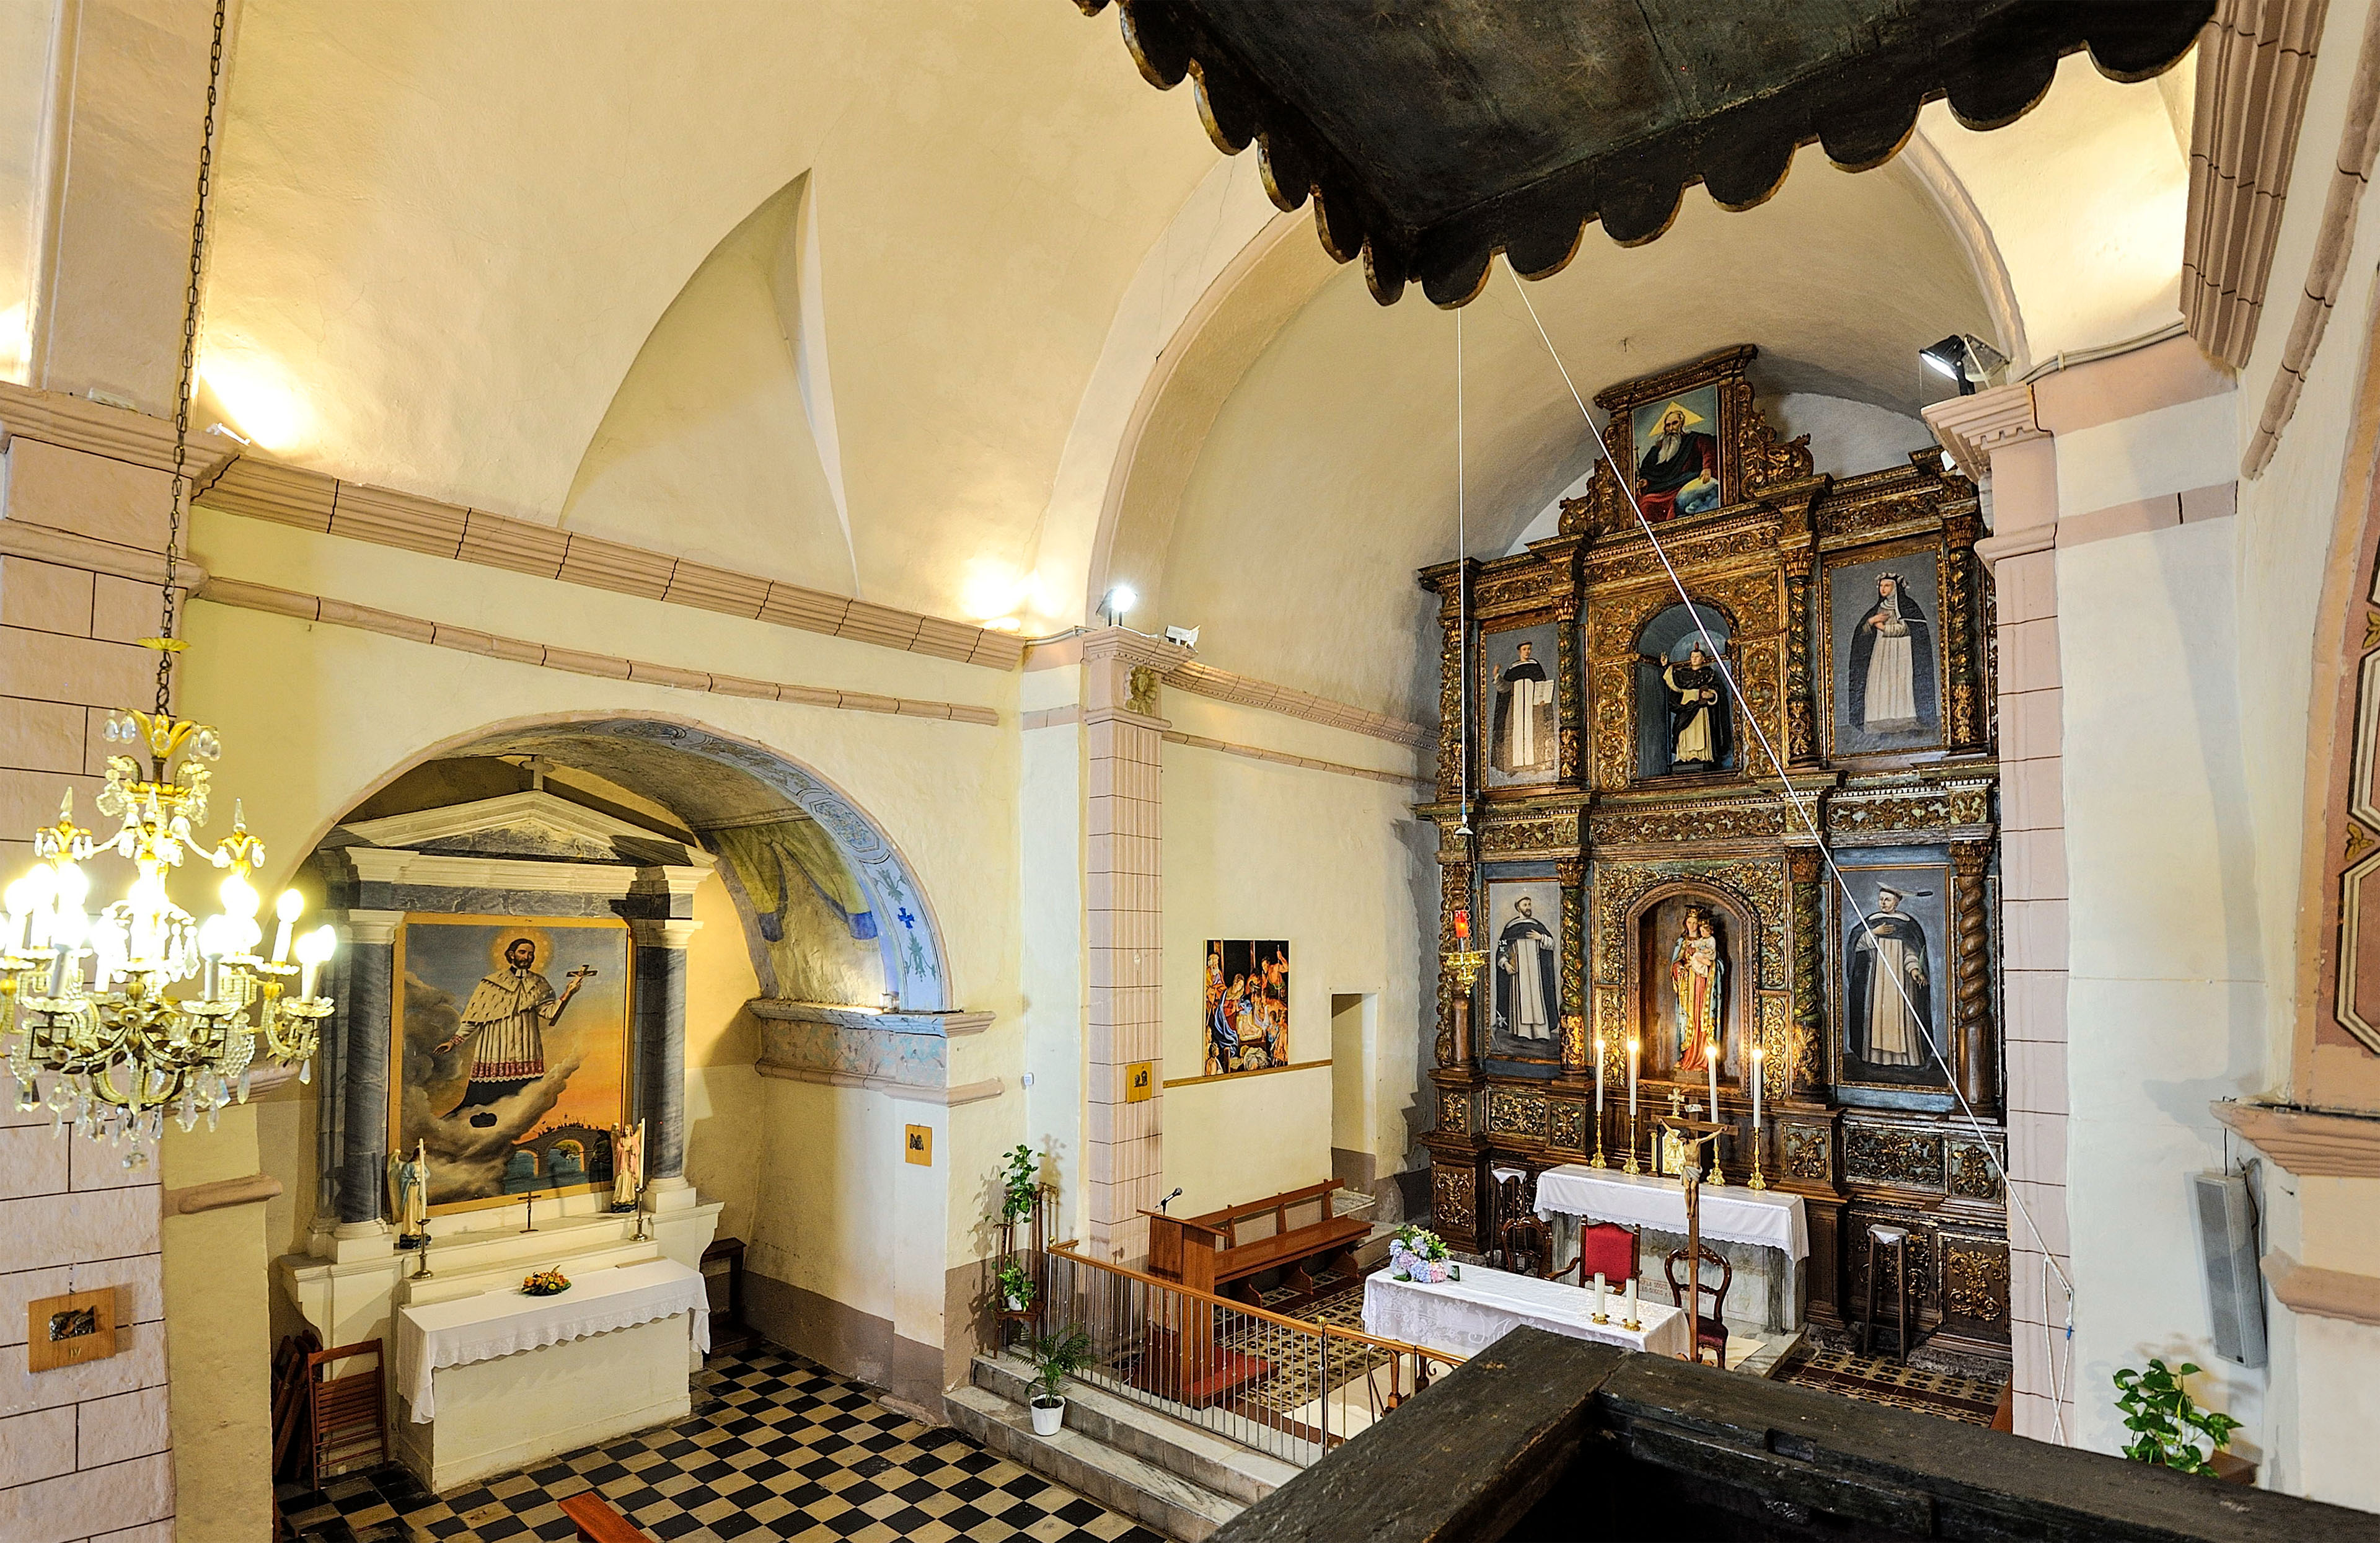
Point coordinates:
pixel 1185 636
pixel 1965 359
pixel 1119 603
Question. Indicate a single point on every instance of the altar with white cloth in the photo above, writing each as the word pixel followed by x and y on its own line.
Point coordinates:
pixel 1467 1316
pixel 1771 1228
pixel 496 1380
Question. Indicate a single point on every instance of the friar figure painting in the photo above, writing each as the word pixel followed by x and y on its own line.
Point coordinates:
pixel 1888 994
pixel 1699 732
pixel 1698 973
pixel 1526 994
pixel 503 1025
pixel 1677 470
pixel 1524 727
pixel 1891 679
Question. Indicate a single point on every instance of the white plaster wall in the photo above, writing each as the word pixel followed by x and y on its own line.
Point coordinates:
pixel 1051 857
pixel 1335 864
pixel 2166 992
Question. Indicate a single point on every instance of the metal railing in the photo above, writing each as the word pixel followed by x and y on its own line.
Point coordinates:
pixel 1276 1384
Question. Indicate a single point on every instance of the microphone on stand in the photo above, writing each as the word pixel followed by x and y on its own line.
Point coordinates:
pixel 1170 1198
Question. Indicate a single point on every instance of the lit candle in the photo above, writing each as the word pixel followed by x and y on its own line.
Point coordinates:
pixel 1633 1320
pixel 1462 927
pixel 1710 1064
pixel 1599 1081
pixel 1758 1055
pixel 1635 1049
pixel 1600 1314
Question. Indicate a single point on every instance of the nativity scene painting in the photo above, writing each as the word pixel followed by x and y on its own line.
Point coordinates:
pixel 512 1062
pixel 1523 706
pixel 1246 1006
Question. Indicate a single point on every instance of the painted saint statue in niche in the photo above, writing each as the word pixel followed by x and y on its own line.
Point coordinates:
pixel 1892 663
pixel 1888 991
pixel 1699 732
pixel 1698 975
pixel 1525 738
pixel 1677 467
pixel 1526 994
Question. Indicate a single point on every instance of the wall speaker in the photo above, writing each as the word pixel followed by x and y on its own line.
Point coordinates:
pixel 2227 1253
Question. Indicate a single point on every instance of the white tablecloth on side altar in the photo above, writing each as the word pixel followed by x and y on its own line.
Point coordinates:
pixel 498 1323
pixel 1730 1214
pixel 1467 1316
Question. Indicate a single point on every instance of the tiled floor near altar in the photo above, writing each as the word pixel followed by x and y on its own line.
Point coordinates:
pixel 776 1448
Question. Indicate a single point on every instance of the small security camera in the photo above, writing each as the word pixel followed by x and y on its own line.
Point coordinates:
pixel 1185 636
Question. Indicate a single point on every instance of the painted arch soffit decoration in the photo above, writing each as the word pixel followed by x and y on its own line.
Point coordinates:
pixel 908 936
pixel 1431 138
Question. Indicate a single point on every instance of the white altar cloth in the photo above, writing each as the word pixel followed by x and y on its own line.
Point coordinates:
pixel 1467 1316
pixel 502 1322
pixel 1762 1217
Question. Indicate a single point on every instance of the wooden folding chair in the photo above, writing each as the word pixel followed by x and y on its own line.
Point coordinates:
pixel 346 1415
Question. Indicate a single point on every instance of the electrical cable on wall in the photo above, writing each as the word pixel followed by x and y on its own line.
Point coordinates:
pixel 1801 810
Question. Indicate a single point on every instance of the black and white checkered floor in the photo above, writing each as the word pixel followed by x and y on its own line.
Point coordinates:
pixel 776 1448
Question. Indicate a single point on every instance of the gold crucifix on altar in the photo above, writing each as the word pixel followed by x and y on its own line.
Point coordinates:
pixel 1690 1136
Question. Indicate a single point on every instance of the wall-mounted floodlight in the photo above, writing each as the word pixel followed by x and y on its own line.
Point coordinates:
pixel 1965 357
pixel 1185 636
pixel 1119 603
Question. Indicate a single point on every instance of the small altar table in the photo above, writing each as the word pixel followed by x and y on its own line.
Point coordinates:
pixel 498 1323
pixel 1467 1316
pixel 1760 1217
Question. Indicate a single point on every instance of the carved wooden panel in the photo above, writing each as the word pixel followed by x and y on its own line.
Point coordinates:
pixel 1454 1195
pixel 1975 1280
pixel 1566 1124
pixel 1513 1112
pixel 1972 1175
pixel 1454 1112
pixel 1809 1153
pixel 1892 1154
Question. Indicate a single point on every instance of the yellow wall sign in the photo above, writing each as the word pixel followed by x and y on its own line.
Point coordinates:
pixel 1139 1081
pixel 918 1147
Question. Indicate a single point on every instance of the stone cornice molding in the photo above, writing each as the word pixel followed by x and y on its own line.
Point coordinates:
pixel 673 933
pixel 191 1199
pixel 1970 428
pixel 339 613
pixel 1203 680
pixel 2017 543
pixel 373 926
pixel 311 501
pixel 946 1025
pixel 44 543
pixel 2309 1143
pixel 1097 715
pixel 918 1092
pixel 391 865
pixel 1282 757
pixel 2255 62
pixel 119 433
pixel 2333 245
pixel 1132 648
pixel 2320 1293
pixel 587 833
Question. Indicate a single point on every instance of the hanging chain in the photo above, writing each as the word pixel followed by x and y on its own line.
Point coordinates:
pixel 183 391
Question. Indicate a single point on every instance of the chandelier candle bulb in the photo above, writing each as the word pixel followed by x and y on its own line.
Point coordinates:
pixel 286 911
pixel 313 950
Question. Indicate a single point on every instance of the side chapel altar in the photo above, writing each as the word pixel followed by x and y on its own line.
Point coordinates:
pixel 1636 917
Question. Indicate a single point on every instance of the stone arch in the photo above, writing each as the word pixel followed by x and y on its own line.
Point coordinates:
pixel 915 960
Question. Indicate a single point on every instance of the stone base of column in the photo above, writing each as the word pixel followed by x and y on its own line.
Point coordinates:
pixel 670 1193
pixel 362 1240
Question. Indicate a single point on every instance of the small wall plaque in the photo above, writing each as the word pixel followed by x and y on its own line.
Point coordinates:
pixel 918 1147
pixel 1139 1081
pixel 70 1330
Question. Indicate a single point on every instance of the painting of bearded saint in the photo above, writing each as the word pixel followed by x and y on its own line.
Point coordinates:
pixel 1887 992
pixel 1698 973
pixel 1892 663
pixel 1677 458
pixel 1526 994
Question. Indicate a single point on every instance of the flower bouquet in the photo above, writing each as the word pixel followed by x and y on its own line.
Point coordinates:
pixel 1417 1254
pixel 545 1283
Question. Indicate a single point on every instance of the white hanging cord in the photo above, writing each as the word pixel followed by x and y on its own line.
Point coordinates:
pixel 1801 810
pixel 1462 593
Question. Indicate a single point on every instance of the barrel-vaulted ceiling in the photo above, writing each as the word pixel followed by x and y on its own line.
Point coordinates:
pixel 944 307
pixel 1433 135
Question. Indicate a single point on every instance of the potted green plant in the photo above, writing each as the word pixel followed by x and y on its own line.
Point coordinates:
pixel 1055 1358
pixel 1020 1181
pixel 2165 1422
pixel 1016 1287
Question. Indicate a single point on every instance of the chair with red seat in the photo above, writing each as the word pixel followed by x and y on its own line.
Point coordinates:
pixel 1710 1330
pixel 1605 1248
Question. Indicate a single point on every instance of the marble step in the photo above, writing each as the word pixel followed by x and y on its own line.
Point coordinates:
pixel 1207 1459
pixel 1165 1503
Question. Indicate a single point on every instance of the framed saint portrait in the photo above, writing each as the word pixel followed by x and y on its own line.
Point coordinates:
pixel 1519 703
pixel 1677 446
pixel 513 1057
pixel 1523 941
pixel 1686 713
pixel 1246 1005
pixel 1885 646
pixel 1688 956
pixel 1892 971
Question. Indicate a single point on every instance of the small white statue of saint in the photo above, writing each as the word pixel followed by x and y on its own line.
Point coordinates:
pixel 628 1165
pixel 408 1193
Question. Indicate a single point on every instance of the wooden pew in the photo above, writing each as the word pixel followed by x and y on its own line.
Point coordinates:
pixel 1286 1232
pixel 597 1521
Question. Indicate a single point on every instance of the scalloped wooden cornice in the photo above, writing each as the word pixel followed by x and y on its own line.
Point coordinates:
pixel 1992 59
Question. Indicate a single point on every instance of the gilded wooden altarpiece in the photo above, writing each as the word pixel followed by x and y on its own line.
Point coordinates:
pixel 1781 573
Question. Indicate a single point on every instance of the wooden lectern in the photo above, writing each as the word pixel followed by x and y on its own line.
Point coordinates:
pixel 1183 1361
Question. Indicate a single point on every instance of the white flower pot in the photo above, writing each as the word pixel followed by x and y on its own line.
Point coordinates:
pixel 1049 1414
pixel 1015 1303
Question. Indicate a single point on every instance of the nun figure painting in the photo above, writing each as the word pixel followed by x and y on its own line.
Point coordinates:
pixel 1891 679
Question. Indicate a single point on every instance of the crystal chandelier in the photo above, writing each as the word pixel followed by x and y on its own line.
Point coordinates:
pixel 111 1020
